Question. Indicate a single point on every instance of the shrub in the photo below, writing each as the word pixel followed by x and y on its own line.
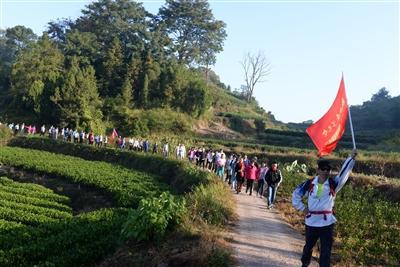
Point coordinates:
pixel 211 203
pixel 5 132
pixel 154 217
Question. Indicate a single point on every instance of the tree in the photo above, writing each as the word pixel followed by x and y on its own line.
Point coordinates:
pixel 196 35
pixel 19 37
pixel 255 67
pixel 77 99
pixel 112 70
pixel 124 19
pixel 126 93
pixel 196 100
pixel 82 45
pixel 35 75
pixel 57 30
pixel 12 42
pixel 382 94
pixel 144 93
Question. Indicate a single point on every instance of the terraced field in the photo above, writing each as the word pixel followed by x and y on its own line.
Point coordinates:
pixel 37 226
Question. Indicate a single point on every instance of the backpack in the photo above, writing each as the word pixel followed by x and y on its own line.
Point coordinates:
pixel 332 186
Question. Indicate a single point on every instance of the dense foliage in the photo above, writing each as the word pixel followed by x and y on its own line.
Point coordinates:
pixel 154 217
pixel 112 59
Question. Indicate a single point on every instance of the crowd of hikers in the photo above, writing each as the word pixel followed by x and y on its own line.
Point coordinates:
pixel 237 170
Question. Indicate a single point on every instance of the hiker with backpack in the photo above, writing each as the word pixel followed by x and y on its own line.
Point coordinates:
pixel 319 215
pixel 273 177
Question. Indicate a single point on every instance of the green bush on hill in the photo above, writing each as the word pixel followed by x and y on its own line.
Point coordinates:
pixel 126 186
pixel 154 217
pixel 181 177
pixel 5 132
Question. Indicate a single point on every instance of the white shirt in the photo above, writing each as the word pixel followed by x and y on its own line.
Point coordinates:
pixel 325 201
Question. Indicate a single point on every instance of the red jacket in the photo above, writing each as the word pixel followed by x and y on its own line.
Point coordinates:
pixel 251 172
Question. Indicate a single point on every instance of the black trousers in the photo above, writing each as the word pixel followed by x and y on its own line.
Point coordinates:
pixel 249 186
pixel 325 234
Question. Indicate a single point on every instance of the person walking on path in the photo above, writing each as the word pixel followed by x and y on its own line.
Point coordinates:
pixel 319 215
pixel 239 169
pixel 221 166
pixel 273 179
pixel 251 173
pixel 261 179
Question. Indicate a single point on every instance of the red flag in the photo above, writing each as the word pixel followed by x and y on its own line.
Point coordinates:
pixel 114 134
pixel 328 130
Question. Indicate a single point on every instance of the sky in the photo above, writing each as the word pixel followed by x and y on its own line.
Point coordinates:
pixel 309 44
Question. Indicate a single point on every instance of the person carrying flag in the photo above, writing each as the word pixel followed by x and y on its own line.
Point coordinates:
pixel 319 215
pixel 321 190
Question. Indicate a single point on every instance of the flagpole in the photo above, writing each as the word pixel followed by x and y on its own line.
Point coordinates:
pixel 351 129
pixel 351 122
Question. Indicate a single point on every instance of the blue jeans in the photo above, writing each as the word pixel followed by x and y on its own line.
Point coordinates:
pixel 260 188
pixel 271 194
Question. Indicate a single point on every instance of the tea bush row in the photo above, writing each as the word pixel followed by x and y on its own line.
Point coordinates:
pixel 127 186
pixel 76 241
pixel 180 176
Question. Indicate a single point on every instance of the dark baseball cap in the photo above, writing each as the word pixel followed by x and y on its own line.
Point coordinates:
pixel 324 163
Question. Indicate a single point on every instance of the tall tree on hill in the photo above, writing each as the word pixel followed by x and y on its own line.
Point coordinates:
pixel 256 68
pixel 127 20
pixel 111 72
pixel 77 101
pixel 12 41
pixel 126 93
pixel 58 30
pixel 196 35
pixel 196 99
pixel 152 69
pixel 35 75
pixel 134 74
pixel 82 45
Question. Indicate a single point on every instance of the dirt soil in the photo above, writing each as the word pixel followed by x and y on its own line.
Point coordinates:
pixel 216 130
pixel 262 238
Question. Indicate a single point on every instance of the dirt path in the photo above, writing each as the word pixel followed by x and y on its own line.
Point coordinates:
pixel 262 238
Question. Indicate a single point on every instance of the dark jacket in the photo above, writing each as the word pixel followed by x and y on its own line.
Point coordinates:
pixel 273 178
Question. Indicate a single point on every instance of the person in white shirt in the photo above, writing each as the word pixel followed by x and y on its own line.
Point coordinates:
pixel 165 150
pixel 320 192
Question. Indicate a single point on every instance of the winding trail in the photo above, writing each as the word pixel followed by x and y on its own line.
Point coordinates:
pixel 262 238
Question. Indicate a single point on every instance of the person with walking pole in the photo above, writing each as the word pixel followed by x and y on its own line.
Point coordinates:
pixel 321 190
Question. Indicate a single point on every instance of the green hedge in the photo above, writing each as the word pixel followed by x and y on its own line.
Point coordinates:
pixel 77 241
pixel 181 176
pixel 43 231
pixel 126 186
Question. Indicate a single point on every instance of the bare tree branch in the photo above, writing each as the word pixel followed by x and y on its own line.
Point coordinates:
pixel 255 67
